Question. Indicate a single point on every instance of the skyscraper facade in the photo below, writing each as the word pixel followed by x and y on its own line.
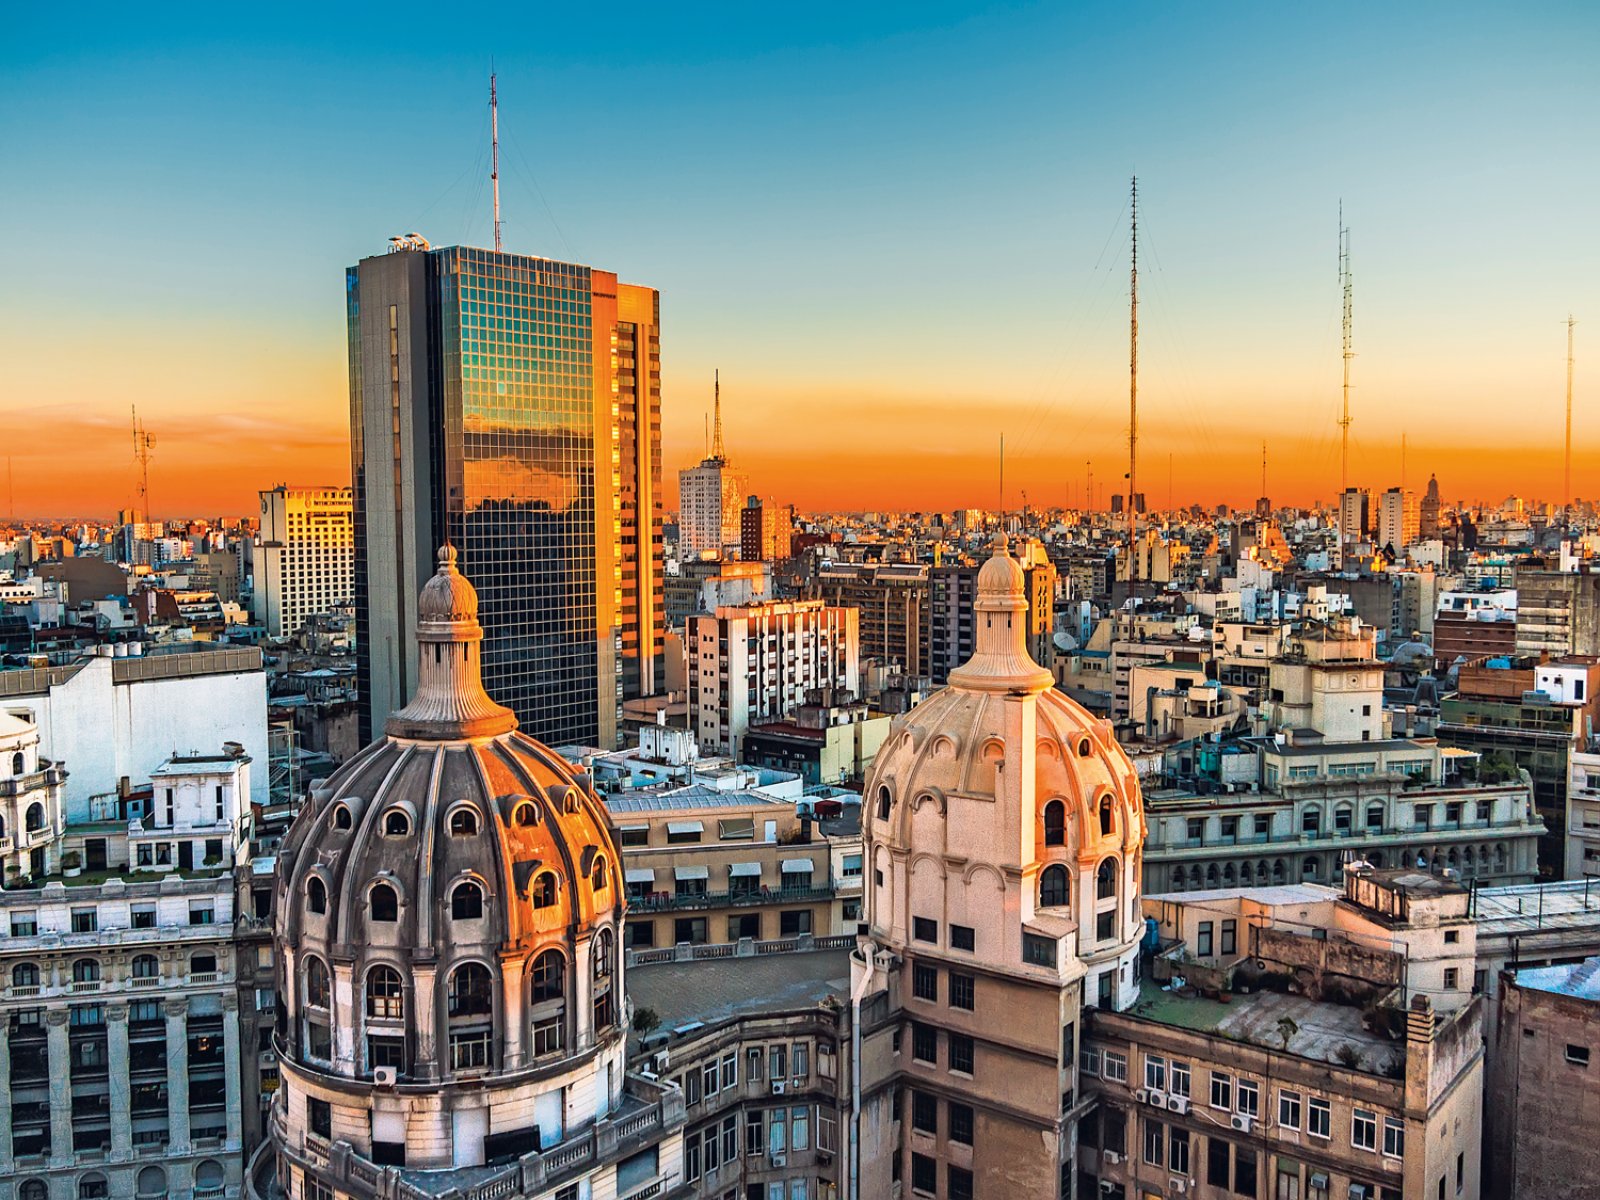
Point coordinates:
pixel 303 565
pixel 511 406
pixel 709 499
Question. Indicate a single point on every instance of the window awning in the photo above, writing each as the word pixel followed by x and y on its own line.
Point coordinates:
pixel 797 865
pixel 639 875
pixel 690 873
pixel 742 870
pixel 634 828
pixel 685 827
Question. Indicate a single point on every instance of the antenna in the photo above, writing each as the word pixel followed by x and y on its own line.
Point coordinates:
pixel 1002 483
pixel 717 451
pixel 1566 481
pixel 143 443
pixel 1088 485
pixel 1402 462
pixel 494 141
pixel 1345 287
pixel 1133 402
pixel 1263 470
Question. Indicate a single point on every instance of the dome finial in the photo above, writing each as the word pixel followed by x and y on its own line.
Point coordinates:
pixel 1000 660
pixel 447 559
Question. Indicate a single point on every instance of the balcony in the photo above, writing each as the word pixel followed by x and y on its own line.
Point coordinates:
pixel 667 902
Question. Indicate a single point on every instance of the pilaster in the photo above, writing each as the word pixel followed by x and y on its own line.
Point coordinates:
pixel 60 1051
pixel 117 1058
pixel 178 1137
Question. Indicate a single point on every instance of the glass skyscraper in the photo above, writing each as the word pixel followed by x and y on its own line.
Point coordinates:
pixel 512 406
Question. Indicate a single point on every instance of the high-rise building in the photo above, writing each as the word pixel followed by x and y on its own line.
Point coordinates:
pixel 511 406
pixel 1354 514
pixel 952 590
pixel 1428 512
pixel 893 599
pixel 764 531
pixel 306 561
pixel 1398 521
pixel 709 499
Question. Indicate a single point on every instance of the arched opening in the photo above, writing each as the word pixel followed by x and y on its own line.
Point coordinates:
pixel 1107 820
pixel 384 902
pixel 1279 869
pixel 396 823
pixel 598 878
pixel 525 815
pixel 1228 877
pixel 605 1002
pixel 466 902
pixel 1105 880
pixel 1053 887
pixel 86 970
pixel 19 764
pixel 317 895
pixel 1374 816
pixel 463 823
pixel 151 1182
pixel 883 804
pixel 544 890
pixel 208 1176
pixel 317 989
pixel 316 1031
pixel 1194 878
pixel 93 1186
pixel 146 966
pixel 1311 821
pixel 33 820
pixel 33 1189
pixel 1085 748
pixel 385 994
pixel 470 1009
pixel 1055 823
pixel 549 980
pixel 341 816
pixel 1309 867
pixel 25 975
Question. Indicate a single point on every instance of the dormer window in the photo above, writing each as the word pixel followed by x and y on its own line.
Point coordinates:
pixel 396 823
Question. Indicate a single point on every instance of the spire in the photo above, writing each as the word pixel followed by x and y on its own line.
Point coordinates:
pixel 1000 662
pixel 717 452
pixel 450 703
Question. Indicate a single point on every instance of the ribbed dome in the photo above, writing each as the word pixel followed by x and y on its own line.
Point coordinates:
pixel 448 596
pixel 1001 575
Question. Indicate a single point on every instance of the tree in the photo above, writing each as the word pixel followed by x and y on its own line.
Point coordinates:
pixel 645 1020
pixel 1286 1030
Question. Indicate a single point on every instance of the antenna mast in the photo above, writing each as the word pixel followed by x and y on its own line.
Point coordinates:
pixel 717 451
pixel 494 169
pixel 1263 470
pixel 1344 419
pixel 1566 482
pixel 1133 402
pixel 142 445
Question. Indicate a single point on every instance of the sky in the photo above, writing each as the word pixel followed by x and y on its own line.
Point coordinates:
pixel 900 231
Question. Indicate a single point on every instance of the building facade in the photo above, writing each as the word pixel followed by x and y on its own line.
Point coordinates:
pixel 765 531
pixel 305 563
pixel 893 601
pixel 511 406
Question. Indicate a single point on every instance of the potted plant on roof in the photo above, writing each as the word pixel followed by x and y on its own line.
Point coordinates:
pixel 71 864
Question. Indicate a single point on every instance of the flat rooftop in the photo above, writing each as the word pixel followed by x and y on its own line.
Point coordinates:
pixel 1286 893
pixel 714 990
pixel 693 796
pixel 1580 980
pixel 1532 907
pixel 1323 1028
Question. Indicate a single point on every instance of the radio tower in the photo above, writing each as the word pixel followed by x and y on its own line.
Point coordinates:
pixel 143 443
pixel 1133 402
pixel 717 452
pixel 1566 480
pixel 1344 419
pixel 494 142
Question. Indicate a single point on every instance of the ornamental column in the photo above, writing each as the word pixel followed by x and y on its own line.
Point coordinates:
pixel 6 1164
pixel 177 1013
pixel 60 1059
pixel 511 967
pixel 232 1076
pixel 120 1065
pixel 424 991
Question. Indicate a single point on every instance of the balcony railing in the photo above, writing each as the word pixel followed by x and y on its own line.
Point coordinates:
pixel 669 902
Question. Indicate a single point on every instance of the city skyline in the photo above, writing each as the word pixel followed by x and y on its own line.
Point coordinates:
pixel 792 162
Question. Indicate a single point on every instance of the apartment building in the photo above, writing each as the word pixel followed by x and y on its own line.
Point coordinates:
pixel 305 563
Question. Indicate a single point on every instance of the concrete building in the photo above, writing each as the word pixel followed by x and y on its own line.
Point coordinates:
pixel 120 718
pixel 32 803
pixel 1583 816
pixel 1543 1107
pixel 1558 612
pixel 757 662
pixel 710 497
pixel 1468 626
pixel 1428 525
pixel 830 739
pixel 893 601
pixel 1354 515
pixel 305 563
pixel 1398 519
pixel 704 585
pixel 765 531
pixel 448 944
pixel 952 589
pixel 510 406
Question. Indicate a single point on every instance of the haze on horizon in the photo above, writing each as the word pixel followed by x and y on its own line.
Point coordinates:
pixel 898 233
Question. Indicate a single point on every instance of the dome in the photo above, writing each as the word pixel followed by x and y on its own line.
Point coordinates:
pixel 999 783
pixel 449 907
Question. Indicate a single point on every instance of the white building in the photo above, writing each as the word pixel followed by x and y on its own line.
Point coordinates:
pixel 306 561
pixel 1583 816
pixel 1399 518
pixel 756 662
pixel 115 718
pixel 710 497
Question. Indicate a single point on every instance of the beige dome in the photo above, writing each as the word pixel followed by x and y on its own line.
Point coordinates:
pixel 448 596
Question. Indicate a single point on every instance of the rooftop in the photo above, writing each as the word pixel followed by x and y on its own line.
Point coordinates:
pixel 709 991
pixel 1531 907
pixel 694 796
pixel 1579 980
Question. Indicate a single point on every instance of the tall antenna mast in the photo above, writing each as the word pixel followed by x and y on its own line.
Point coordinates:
pixel 1402 461
pixel 1566 482
pixel 494 168
pixel 1263 470
pixel 1344 419
pixel 717 451
pixel 1002 483
pixel 142 445
pixel 1133 402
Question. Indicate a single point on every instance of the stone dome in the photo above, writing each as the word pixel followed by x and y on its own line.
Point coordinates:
pixel 449 906
pixel 1000 800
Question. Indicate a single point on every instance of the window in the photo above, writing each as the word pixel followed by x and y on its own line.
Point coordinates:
pixel 1289 1109
pixel 466 902
pixel 1155 1143
pixel 1105 880
pixel 1394 1138
pixel 317 895
pixel 463 823
pixel 26 975
pixel 1247 1098
pixel 1229 936
pixel 924 1112
pixel 1217 1156
pixel 1577 1055
pixel 924 982
pixel 961 1053
pixel 1452 813
pixel 1230 829
pixel 1114 1067
pixel 549 976
pixel 1106 821
pixel 526 816
pixel 924 1174
pixel 883 804
pixel 1178 1151
pixel 683 833
pixel 384 902
pixel 924 929
pixel 341 817
pixel 1244 1171
pixel 924 1044
pixel 1311 821
pixel 1422 815
pixel 1222 1091
pixel 201 915
pixel 1038 951
pixel 961 1122
pixel 1484 810
pixel 1452 937
pixel 84 920
pixel 1155 1072
pixel 963 991
pixel 1180 1078
pixel 1319 1118
pixel 316 983
pixel 1364 1129
pixel 962 937
pixel 319 1115
pixel 1374 816
pixel 1203 942
pixel 385 994
pixel 1053 887
pixel 471 991
pixel 1055 824
pixel 794 922
pixel 396 823
pixel 1452 978
pixel 86 970
pixel 598 878
pixel 544 890
pixel 1195 829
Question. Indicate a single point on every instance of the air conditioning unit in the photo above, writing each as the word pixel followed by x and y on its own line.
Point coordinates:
pixel 1142 1095
pixel 1109 1185
pixel 1159 1099
pixel 1178 1186
pixel 1111 1157
pixel 778 1086
pixel 384 1076
pixel 1178 1104
pixel 779 1158
pixel 1243 1122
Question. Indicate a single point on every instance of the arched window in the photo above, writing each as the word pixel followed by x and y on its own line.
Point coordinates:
pixel 463 823
pixel 93 1187
pixel 341 816
pixel 1278 871
pixel 2 825
pixel 883 804
pixel 317 895
pixel 25 975
pixel 34 820
pixel 385 994
pixel 1308 868
pixel 384 902
pixel 146 966
pixel 1227 875
pixel 396 823
pixel 208 1176
pixel 1374 816
pixel 605 1000
pixel 317 990
pixel 544 890
pixel 602 954
pixel 1106 821
pixel 33 1189
pixel 598 877
pixel 152 1181
pixel 466 902
pixel 525 815
pixel 471 991
pixel 1105 880
pixel 86 970
pixel 1084 748
pixel 549 976
pixel 1311 821
pixel 19 764
pixel 1053 887
pixel 1055 824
